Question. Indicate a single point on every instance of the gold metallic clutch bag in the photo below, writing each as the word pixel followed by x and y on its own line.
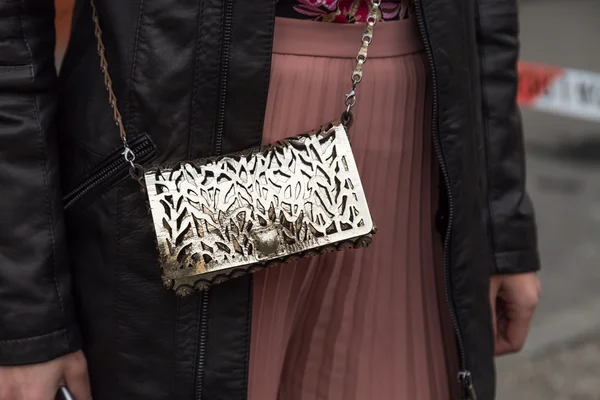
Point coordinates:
pixel 222 217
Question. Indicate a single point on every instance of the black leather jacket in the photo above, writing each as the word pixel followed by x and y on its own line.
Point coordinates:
pixel 77 256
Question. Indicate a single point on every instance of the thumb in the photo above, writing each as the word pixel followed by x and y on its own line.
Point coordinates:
pixel 77 379
pixel 517 327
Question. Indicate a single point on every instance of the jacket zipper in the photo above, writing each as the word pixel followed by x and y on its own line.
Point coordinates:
pixel 228 15
pixel 464 374
pixel 218 150
pixel 143 149
pixel 202 343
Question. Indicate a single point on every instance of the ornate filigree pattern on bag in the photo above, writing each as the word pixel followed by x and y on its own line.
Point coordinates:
pixel 291 198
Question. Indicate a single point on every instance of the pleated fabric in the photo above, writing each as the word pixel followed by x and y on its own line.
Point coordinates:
pixel 370 323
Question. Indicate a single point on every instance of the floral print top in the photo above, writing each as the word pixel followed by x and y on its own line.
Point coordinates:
pixel 341 11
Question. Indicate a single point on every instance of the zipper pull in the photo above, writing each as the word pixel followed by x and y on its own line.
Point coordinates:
pixel 467 385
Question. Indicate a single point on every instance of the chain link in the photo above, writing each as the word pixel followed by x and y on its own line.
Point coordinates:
pixel 361 59
pixel 135 170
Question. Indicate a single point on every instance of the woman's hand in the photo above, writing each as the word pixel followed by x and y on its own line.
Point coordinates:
pixel 42 381
pixel 513 299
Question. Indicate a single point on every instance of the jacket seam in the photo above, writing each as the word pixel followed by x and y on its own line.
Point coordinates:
pixel 192 118
pixel 32 64
pixel 511 252
pixel 115 318
pixel 12 67
pixel 88 148
pixel 42 150
pixel 32 338
pixel 133 67
pixel 486 129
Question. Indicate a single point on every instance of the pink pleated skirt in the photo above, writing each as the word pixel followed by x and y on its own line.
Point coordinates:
pixel 370 323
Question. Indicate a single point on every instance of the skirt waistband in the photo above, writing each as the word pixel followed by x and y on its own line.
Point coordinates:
pixel 327 39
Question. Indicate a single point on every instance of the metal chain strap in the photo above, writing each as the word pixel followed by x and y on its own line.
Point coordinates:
pixel 136 171
pixel 361 59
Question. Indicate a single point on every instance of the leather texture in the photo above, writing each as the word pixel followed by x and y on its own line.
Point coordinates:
pixel 191 77
pixel 36 307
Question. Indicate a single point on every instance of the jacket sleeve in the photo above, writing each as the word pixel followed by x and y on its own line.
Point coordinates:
pixel 36 308
pixel 509 215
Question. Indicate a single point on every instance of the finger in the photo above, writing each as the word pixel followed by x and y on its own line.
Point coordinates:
pixel 78 382
pixel 79 388
pixel 515 335
pixel 41 393
pixel 495 284
pixel 494 289
pixel 7 392
pixel 501 345
pixel 494 315
pixel 500 330
pixel 29 382
pixel 518 327
pixel 494 309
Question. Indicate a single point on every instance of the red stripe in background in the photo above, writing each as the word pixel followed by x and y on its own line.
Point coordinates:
pixel 535 80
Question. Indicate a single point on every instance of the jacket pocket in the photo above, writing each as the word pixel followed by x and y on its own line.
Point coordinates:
pixel 110 172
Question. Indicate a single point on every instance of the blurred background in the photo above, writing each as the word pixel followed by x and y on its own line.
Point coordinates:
pixel 561 360
pixel 562 357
